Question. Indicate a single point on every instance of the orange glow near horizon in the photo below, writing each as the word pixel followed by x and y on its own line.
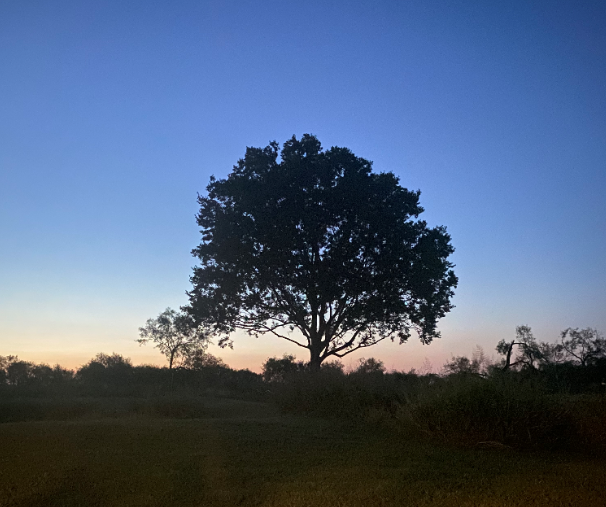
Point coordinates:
pixel 248 353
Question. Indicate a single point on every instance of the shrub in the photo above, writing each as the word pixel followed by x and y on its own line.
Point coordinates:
pixel 331 393
pixel 470 410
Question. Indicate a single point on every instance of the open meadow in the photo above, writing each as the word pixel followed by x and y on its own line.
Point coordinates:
pixel 213 451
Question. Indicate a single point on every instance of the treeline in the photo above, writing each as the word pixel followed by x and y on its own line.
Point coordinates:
pixel 536 394
pixel 575 364
pixel 115 376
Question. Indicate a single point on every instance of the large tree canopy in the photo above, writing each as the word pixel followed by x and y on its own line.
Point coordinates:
pixel 311 240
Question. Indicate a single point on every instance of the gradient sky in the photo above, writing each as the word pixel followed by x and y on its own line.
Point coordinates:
pixel 113 115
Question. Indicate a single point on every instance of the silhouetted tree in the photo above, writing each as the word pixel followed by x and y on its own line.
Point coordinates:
pixel 577 346
pixel 175 335
pixel 19 373
pixel 106 374
pixel 584 346
pixel 5 362
pixel 31 378
pixel 317 242
pixel 529 353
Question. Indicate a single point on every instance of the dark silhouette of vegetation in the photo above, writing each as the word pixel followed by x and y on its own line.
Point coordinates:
pixel 585 346
pixel 278 370
pixel 174 334
pixel 370 366
pixel 541 396
pixel 478 364
pixel 313 240
pixel 531 355
pixel 114 376
pixel 107 375
pixel 549 396
pixel 30 378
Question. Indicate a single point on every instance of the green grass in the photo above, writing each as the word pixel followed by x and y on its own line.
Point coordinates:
pixel 227 453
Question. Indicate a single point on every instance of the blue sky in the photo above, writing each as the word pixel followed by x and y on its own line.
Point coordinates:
pixel 115 114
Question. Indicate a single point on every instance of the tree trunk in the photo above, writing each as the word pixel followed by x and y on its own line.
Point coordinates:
pixel 314 353
pixel 170 368
pixel 508 358
pixel 314 362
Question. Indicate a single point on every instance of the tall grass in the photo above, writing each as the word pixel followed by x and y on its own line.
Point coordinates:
pixel 473 410
pixel 464 409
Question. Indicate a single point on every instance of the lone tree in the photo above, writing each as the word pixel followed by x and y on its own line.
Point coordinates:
pixel 311 240
pixel 175 335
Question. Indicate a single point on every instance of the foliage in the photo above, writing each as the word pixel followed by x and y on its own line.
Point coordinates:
pixel 479 364
pixel 277 370
pixel 585 346
pixel 501 409
pixel 174 335
pixel 521 408
pixel 31 378
pixel 318 243
pixel 529 352
pixel 107 375
pixel 202 359
pixel 369 366
pixel 353 396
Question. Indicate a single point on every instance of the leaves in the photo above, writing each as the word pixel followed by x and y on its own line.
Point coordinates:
pixel 175 335
pixel 313 240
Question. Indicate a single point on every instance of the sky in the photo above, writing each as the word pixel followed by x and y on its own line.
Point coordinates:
pixel 114 115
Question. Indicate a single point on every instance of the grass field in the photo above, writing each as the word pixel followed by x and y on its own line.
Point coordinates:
pixel 246 453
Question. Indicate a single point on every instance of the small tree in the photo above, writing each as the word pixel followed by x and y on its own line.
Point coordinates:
pixel 461 365
pixel 529 354
pixel 106 374
pixel 175 335
pixel 584 346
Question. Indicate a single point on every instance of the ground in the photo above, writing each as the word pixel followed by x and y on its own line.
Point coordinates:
pixel 245 453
